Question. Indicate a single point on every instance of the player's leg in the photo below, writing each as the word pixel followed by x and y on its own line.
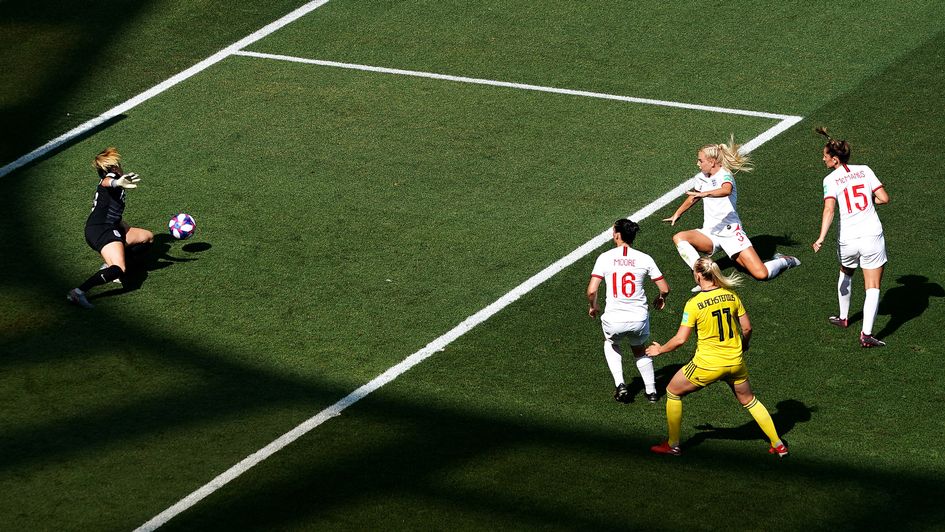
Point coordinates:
pixel 638 335
pixel 737 245
pixel 871 278
pixel 844 294
pixel 690 243
pixel 645 367
pixel 137 235
pixel 114 256
pixel 748 258
pixel 872 259
pixel 113 252
pixel 615 365
pixel 137 244
pixel 745 396
pixel 849 257
pixel 679 386
pixel 614 358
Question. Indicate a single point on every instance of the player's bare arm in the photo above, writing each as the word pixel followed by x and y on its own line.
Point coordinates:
pixel 685 206
pixel 659 302
pixel 829 205
pixel 593 306
pixel 721 192
pixel 745 325
pixel 682 335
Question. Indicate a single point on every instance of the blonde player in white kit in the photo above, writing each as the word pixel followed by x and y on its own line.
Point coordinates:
pixel 860 241
pixel 626 316
pixel 721 226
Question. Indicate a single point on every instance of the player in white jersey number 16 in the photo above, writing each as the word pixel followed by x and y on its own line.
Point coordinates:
pixel 626 318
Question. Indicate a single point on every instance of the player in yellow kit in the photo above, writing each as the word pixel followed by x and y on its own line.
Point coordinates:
pixel 713 312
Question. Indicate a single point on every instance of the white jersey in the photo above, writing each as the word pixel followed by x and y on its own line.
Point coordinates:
pixel 717 212
pixel 623 270
pixel 853 187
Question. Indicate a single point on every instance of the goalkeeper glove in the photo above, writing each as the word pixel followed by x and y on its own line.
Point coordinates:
pixel 126 181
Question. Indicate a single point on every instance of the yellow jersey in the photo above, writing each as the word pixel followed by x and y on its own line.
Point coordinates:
pixel 714 314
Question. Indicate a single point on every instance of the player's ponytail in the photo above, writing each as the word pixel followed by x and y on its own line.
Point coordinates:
pixel 728 156
pixel 835 147
pixel 708 269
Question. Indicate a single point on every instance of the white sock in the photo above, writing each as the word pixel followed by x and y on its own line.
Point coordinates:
pixel 870 304
pixel 775 266
pixel 779 264
pixel 614 362
pixel 844 295
pixel 645 366
pixel 688 253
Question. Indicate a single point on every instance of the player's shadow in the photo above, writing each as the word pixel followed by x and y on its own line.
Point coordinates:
pixel 788 413
pixel 663 376
pixel 765 245
pixel 907 301
pixel 143 259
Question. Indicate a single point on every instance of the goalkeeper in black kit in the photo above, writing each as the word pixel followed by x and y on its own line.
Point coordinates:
pixel 105 230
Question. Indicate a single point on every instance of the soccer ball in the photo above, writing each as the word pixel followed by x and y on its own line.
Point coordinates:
pixel 182 226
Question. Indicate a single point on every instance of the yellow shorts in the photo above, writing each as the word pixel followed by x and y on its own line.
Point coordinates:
pixel 703 377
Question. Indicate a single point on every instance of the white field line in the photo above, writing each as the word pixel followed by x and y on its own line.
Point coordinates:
pixel 160 87
pixel 786 121
pixel 436 345
pixel 522 86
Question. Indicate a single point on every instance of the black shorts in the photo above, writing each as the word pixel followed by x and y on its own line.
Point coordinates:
pixel 99 236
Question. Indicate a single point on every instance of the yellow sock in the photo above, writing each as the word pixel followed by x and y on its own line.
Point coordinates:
pixel 763 418
pixel 673 417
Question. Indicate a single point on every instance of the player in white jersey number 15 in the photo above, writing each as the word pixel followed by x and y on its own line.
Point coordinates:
pixel 854 190
pixel 626 318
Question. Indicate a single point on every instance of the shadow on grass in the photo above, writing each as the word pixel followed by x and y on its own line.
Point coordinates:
pixel 426 466
pixel 902 303
pixel 663 376
pixel 444 463
pixel 146 258
pixel 786 415
pixel 907 301
pixel 765 245
pixel 52 73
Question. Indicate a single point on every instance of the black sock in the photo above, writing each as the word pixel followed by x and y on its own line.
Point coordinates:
pixel 101 277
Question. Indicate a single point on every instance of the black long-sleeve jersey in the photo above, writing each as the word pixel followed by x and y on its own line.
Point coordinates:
pixel 108 206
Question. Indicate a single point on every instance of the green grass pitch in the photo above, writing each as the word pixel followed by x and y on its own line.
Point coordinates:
pixel 347 218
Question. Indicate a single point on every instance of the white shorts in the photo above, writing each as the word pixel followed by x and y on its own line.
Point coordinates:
pixel 868 252
pixel 636 332
pixel 732 239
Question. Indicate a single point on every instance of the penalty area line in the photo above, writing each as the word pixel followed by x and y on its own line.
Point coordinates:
pixel 511 85
pixel 433 347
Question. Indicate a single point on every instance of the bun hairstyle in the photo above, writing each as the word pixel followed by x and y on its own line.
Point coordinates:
pixel 708 269
pixel 835 148
pixel 627 229
pixel 728 156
